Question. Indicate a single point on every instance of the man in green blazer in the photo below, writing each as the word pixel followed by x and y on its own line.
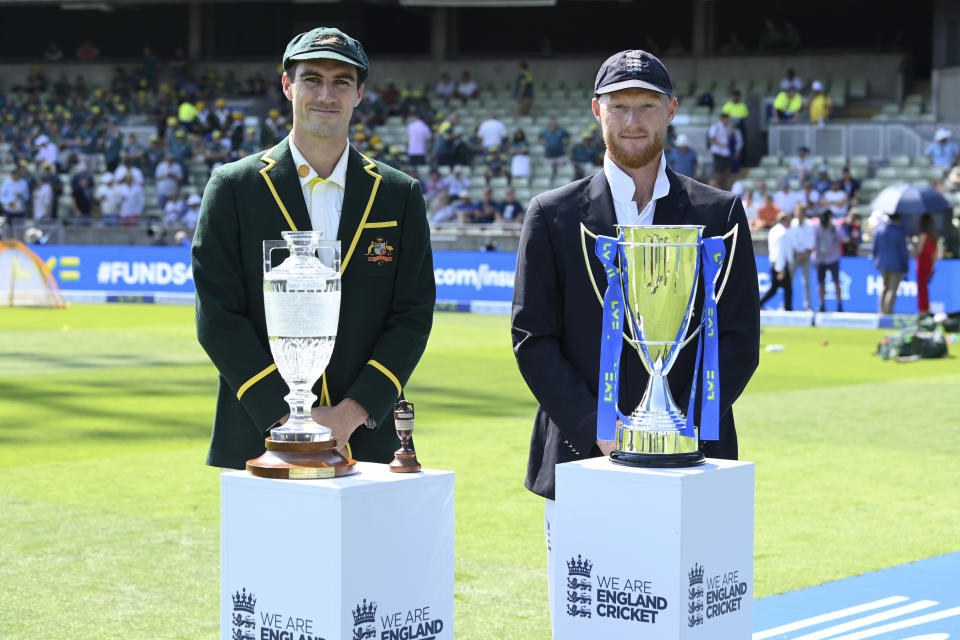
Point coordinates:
pixel 314 179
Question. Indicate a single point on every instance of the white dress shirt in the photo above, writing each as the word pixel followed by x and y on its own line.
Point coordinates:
pixel 780 247
pixel 324 197
pixel 622 188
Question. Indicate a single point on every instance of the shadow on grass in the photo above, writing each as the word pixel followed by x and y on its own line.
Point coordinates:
pixel 97 400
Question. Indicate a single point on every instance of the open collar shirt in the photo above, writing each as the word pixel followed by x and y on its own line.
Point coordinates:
pixel 622 188
pixel 324 196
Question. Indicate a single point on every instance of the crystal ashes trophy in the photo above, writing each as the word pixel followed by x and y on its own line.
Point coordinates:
pixel 301 299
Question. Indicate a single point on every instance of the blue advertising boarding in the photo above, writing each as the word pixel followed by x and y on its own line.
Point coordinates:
pixel 465 276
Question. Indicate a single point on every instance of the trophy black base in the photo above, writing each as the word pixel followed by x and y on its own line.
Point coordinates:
pixel 291 460
pixel 658 460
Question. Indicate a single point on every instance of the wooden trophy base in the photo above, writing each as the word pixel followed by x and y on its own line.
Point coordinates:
pixel 288 460
pixel 405 462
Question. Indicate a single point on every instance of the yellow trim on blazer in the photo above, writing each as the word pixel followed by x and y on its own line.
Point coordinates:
pixel 382 369
pixel 255 379
pixel 324 392
pixel 380 225
pixel 370 169
pixel 263 172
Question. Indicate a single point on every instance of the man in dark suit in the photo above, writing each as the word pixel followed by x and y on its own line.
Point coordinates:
pixel 314 179
pixel 557 308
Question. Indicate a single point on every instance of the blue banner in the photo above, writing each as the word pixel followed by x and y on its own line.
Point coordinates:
pixel 861 286
pixel 119 269
pixel 464 276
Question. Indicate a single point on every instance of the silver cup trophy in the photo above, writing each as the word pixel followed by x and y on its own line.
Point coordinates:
pixel 661 266
pixel 301 299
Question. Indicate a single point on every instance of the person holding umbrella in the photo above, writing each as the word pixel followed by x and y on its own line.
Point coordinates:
pixel 891 259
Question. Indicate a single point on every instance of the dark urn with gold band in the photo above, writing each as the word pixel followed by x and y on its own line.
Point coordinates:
pixel 405 458
pixel 301 298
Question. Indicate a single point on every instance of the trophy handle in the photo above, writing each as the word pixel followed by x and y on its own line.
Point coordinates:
pixel 268 248
pixel 733 233
pixel 584 232
pixel 328 252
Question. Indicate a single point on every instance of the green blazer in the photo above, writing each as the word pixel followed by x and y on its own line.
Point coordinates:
pixel 386 304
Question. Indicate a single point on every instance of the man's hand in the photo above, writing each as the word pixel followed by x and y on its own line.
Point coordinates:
pixel 606 446
pixel 341 419
pixel 781 274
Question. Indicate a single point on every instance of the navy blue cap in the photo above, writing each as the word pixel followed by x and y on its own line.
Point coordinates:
pixel 633 69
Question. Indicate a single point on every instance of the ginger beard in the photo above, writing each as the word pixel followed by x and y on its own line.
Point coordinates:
pixel 637 159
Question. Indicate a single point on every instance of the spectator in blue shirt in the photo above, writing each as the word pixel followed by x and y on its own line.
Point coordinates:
pixel 683 159
pixel 891 259
pixel 523 91
pixel 942 151
pixel 554 139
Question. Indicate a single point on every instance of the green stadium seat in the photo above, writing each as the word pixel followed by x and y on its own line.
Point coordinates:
pixel 859 88
pixel 757 173
pixel 836 162
pixel 899 161
pixel 889 173
pixel 770 161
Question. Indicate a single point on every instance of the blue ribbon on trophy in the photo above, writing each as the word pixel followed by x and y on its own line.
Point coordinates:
pixel 708 347
pixel 710 253
pixel 611 345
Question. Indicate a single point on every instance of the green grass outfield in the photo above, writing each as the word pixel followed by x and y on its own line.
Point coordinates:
pixel 109 520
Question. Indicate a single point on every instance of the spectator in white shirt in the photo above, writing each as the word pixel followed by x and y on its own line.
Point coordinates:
pixel 492 132
pixel 15 193
pixel 42 199
pixel 801 165
pixel 174 209
pixel 835 199
pixel 791 81
pixel 47 151
pixel 131 199
pixel 444 88
pixel 418 137
pixel 810 197
pixel 780 247
pixel 455 183
pixel 804 240
pixel 119 176
pixel 466 88
pixel 719 135
pixel 192 214
pixel 785 198
pixel 169 175
pixel 108 195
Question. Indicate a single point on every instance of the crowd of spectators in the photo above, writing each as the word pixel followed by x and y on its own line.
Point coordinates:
pixel 57 132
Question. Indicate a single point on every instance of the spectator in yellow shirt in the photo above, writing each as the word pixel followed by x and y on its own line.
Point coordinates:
pixel 786 105
pixel 738 112
pixel 819 104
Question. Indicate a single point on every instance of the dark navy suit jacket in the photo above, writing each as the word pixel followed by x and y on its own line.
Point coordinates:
pixel 557 317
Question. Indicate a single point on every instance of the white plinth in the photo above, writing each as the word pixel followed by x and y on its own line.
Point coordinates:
pixel 310 552
pixel 630 545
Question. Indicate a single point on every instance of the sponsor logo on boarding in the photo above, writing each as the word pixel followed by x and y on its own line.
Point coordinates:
pixel 143 273
pixel 270 626
pixel 418 623
pixel 380 251
pixel 478 278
